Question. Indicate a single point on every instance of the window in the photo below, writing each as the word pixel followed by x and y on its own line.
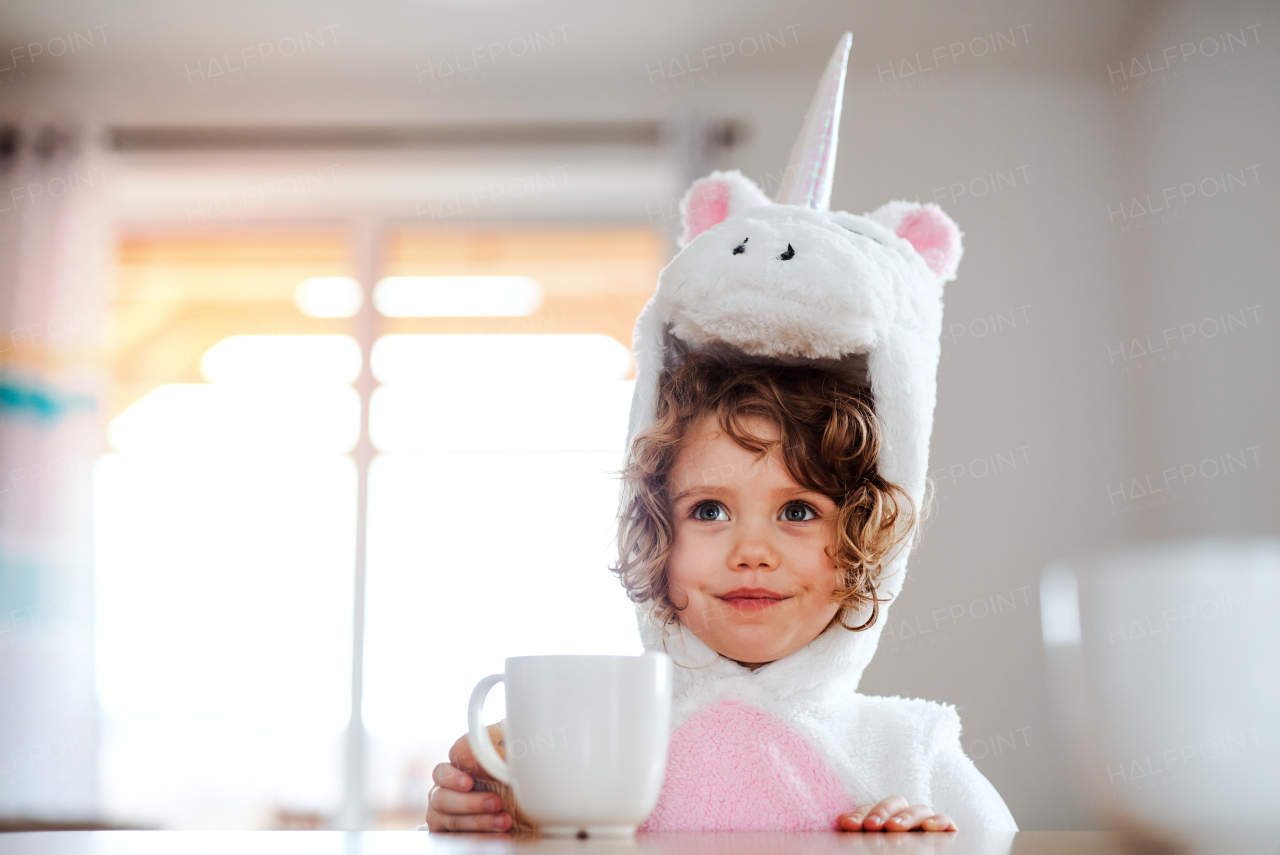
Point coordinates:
pixel 227 510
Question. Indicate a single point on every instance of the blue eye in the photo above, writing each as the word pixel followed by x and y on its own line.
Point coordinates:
pixel 710 512
pixel 798 512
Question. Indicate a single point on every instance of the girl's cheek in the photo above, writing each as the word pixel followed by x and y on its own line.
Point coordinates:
pixel 690 614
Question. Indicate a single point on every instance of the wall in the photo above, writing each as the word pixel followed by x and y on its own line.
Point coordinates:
pixel 1201 269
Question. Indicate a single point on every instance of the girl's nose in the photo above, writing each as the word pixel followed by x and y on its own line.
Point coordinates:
pixel 753 550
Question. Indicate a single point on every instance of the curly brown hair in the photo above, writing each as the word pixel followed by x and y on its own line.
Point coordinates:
pixel 829 439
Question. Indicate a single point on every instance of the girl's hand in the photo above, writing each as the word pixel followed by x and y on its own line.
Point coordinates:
pixel 893 814
pixel 453 806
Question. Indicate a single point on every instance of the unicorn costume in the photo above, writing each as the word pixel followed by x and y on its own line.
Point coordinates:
pixel 793 744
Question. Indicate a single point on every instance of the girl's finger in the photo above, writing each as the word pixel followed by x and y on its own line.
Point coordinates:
pixel 461 757
pixel 852 821
pixel 938 822
pixel 875 820
pixel 453 802
pixel 437 821
pixel 908 818
pixel 451 777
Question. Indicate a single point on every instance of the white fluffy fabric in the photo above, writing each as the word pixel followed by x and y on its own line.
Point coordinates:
pixel 876 746
pixel 853 286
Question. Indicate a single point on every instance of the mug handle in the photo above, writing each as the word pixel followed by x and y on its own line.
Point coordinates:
pixel 478 734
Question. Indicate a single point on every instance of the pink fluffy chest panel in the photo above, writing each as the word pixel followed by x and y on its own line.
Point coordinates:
pixel 734 767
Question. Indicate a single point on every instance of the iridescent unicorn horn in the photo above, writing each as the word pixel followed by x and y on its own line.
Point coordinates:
pixel 810 171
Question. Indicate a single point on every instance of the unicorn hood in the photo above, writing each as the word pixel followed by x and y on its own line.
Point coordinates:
pixel 793 744
pixel 791 281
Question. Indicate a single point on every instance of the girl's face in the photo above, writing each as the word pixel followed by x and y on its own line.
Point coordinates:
pixel 749 566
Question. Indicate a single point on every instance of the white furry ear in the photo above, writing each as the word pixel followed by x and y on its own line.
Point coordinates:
pixel 711 200
pixel 927 228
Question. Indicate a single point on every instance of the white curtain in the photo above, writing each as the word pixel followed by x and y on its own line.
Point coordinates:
pixel 55 255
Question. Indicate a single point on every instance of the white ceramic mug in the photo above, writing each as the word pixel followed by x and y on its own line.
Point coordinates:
pixel 1164 664
pixel 585 739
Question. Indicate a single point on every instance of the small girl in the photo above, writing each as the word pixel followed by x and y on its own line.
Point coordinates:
pixel 778 449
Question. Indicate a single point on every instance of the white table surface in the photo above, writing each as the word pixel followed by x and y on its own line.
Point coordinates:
pixel 737 843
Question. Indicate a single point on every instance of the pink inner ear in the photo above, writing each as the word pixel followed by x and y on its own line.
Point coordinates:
pixel 708 204
pixel 935 236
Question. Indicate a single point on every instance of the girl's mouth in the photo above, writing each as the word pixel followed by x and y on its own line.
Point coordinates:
pixel 752 599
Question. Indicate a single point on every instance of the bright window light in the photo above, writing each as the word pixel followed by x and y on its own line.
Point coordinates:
pixel 223 590
pixel 243 566
pixel 457 296
pixel 196 418
pixel 283 359
pixel 484 555
pixel 524 417
pixel 472 359
pixel 329 297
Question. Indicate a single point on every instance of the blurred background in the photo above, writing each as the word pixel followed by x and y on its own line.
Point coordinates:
pixel 314 361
